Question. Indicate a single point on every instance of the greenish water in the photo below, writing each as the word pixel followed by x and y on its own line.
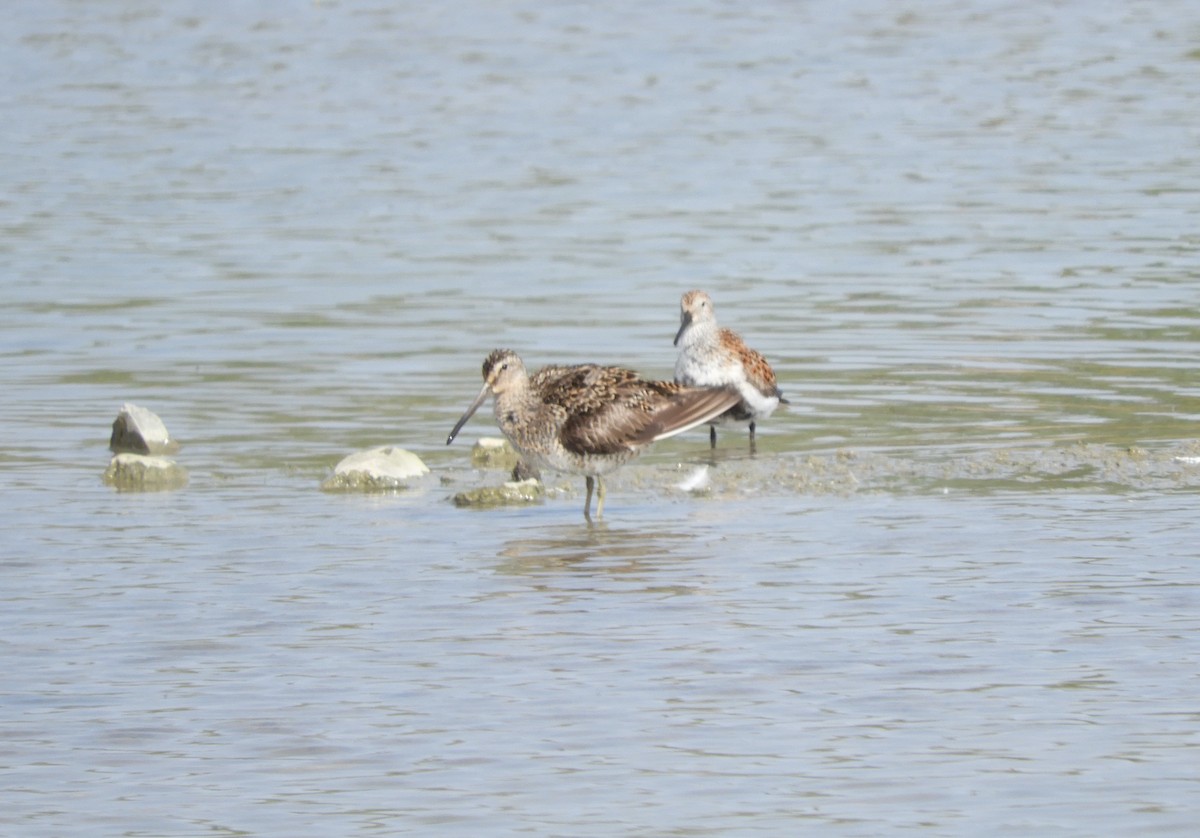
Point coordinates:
pixel 953 591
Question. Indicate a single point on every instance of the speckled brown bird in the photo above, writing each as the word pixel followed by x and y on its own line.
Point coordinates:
pixel 710 356
pixel 588 419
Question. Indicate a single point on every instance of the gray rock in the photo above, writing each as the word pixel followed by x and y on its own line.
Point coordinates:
pixel 140 473
pixel 507 494
pixel 376 470
pixel 493 452
pixel 497 452
pixel 139 431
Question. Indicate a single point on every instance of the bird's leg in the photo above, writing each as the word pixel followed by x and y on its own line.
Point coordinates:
pixel 599 496
pixel 587 502
pixel 712 436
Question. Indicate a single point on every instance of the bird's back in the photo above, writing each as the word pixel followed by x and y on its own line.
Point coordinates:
pixel 610 410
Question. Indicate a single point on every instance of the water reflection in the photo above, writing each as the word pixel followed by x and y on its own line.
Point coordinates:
pixel 600 551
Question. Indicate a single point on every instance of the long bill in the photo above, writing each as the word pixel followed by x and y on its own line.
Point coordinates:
pixel 684 322
pixel 483 394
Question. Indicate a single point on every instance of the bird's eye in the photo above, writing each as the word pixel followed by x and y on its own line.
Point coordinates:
pixel 504 366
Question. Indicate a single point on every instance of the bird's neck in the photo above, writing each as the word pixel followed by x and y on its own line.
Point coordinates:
pixel 517 399
pixel 698 333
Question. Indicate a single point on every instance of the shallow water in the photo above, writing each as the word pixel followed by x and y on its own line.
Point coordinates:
pixel 955 589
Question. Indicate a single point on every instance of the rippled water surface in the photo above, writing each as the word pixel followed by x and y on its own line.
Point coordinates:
pixel 954 590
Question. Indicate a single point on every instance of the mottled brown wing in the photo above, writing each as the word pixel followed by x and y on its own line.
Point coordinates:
pixel 686 408
pixel 758 371
pixel 582 389
pixel 610 410
pixel 604 406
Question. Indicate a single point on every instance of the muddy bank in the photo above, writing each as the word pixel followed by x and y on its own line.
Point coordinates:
pixel 729 474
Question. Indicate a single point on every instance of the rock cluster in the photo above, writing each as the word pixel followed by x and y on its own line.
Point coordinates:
pixel 139 442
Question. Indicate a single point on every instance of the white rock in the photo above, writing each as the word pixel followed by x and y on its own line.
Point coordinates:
pixel 386 467
pixel 140 431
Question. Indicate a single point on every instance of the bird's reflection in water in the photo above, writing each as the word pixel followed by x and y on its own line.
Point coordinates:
pixel 601 550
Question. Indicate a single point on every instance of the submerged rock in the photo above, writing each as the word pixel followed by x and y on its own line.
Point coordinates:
pixel 513 493
pixel 498 453
pixel 493 452
pixel 141 473
pixel 140 431
pixel 376 470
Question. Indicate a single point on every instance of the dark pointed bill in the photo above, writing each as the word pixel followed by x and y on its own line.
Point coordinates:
pixel 483 394
pixel 685 321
